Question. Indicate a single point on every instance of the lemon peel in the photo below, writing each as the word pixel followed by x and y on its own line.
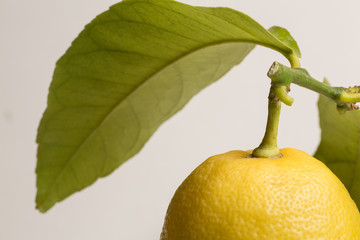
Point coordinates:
pixel 233 196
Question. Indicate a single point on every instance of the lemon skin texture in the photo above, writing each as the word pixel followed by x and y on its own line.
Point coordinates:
pixel 233 196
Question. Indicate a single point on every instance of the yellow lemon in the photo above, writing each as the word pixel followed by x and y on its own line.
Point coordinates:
pixel 233 196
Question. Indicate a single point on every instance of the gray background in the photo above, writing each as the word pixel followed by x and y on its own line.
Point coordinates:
pixel 131 203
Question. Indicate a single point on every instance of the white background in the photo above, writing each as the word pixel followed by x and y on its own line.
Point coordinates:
pixel 230 114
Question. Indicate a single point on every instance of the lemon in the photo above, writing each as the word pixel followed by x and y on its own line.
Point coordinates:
pixel 234 196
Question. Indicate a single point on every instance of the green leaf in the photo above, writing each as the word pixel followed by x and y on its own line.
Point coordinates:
pixel 128 71
pixel 339 148
pixel 283 35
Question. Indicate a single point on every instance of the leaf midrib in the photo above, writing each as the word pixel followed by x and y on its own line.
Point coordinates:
pixel 198 9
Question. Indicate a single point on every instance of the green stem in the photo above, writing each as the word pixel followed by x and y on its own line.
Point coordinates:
pixel 281 78
pixel 281 93
pixel 284 76
pixel 268 147
pixel 349 97
pixel 294 60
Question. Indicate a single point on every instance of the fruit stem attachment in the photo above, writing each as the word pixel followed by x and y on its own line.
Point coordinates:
pixel 268 147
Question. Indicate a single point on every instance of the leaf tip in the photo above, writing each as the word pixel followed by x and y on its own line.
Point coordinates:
pixel 41 204
pixel 40 208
